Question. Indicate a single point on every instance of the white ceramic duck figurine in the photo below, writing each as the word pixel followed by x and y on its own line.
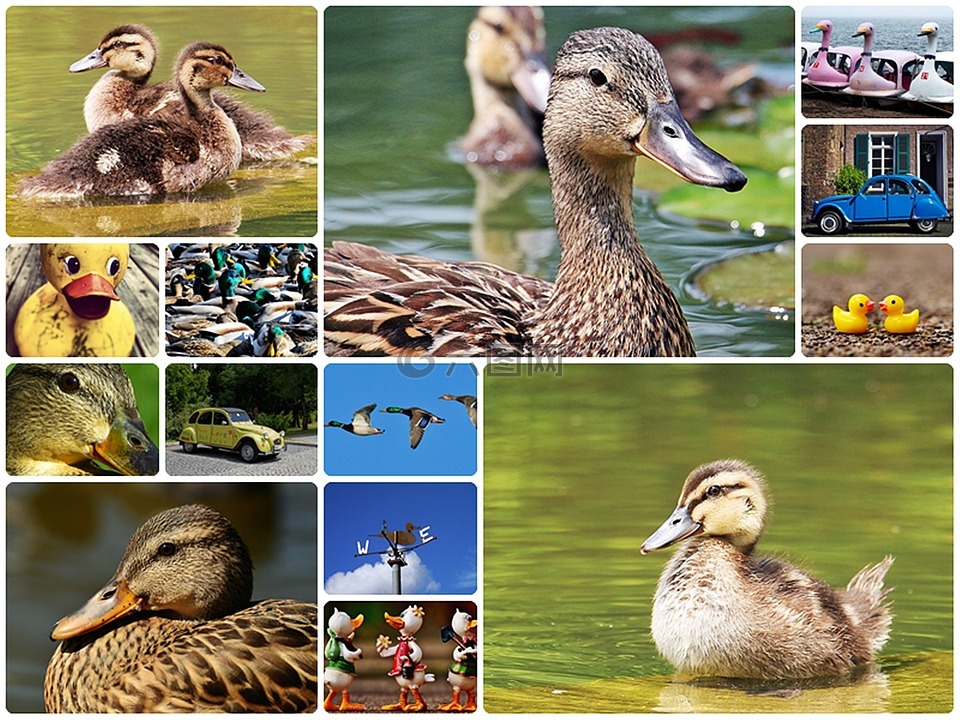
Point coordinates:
pixel 462 675
pixel 77 313
pixel 408 670
pixel 341 654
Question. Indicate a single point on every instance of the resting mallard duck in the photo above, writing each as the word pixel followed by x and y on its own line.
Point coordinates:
pixel 469 402
pixel 175 631
pixel 419 419
pixel 63 417
pixel 610 102
pixel 720 610
pixel 130 51
pixel 179 152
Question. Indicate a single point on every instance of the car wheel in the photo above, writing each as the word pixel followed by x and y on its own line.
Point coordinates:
pixel 924 226
pixel 248 452
pixel 188 447
pixel 830 222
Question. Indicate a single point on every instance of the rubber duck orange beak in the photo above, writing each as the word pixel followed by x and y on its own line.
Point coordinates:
pixel 89 297
pixel 109 603
pixel 395 622
pixel 871 306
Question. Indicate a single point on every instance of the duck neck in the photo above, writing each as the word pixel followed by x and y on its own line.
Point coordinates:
pixel 199 102
pixel 609 298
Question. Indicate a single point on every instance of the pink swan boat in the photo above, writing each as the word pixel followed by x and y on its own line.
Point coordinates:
pixel 820 71
pixel 864 80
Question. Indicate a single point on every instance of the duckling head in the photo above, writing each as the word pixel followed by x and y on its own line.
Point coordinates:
pixel 342 625
pixel 129 49
pixel 610 100
pixel 203 66
pixel 723 499
pixel 187 562
pixel 86 274
pixel 69 414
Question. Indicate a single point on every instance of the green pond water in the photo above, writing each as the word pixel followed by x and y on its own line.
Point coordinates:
pixel 396 99
pixel 583 462
pixel 275 45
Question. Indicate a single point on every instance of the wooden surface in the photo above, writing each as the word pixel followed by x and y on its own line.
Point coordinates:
pixel 139 291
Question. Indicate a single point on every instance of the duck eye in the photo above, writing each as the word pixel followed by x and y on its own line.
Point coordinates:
pixel 597 77
pixel 166 549
pixel 113 265
pixel 713 490
pixel 69 382
pixel 71 264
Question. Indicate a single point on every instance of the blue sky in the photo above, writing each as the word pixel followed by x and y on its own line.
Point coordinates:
pixel 355 510
pixel 447 449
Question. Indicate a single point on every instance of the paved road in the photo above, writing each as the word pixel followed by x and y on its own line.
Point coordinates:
pixel 300 459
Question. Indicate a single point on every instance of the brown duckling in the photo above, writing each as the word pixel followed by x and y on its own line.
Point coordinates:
pixel 146 156
pixel 175 630
pixel 610 102
pixel 721 610
pixel 509 79
pixel 130 51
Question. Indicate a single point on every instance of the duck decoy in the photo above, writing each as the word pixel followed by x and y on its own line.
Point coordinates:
pixel 77 312
pixel 896 320
pixel 720 610
pixel 360 425
pixel 175 630
pixel 61 418
pixel 130 51
pixel 161 154
pixel 853 320
pixel 469 402
pixel 419 419
pixel 610 102
pixel 509 79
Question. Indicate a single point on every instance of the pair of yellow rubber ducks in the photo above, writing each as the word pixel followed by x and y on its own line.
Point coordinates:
pixel 854 319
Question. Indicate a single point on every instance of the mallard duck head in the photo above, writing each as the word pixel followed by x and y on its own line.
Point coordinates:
pixel 129 49
pixel 723 499
pixel 86 274
pixel 188 562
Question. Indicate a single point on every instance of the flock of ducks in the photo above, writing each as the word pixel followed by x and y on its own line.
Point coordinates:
pixel 255 300
pixel 170 137
pixel 420 419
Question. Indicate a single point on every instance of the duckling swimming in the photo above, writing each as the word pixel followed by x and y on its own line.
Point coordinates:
pixel 148 156
pixel 720 610
pixel 60 418
pixel 175 630
pixel 77 313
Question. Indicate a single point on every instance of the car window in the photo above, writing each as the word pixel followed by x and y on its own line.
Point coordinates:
pixel 239 416
pixel 899 187
pixel 221 419
pixel 193 418
pixel 920 187
pixel 874 188
pixel 206 418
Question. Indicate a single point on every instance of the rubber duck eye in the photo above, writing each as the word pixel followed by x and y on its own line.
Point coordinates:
pixel 166 549
pixel 71 264
pixel 713 490
pixel 69 382
pixel 597 77
pixel 113 265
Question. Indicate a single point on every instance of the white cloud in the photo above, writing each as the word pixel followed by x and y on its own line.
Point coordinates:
pixel 377 579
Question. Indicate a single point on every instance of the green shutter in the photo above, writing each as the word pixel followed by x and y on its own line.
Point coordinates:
pixel 902 152
pixel 861 152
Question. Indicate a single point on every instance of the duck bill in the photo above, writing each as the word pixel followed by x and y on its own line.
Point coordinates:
pixel 241 80
pixel 532 81
pixel 871 306
pixel 395 622
pixel 113 601
pixel 357 621
pixel 91 62
pixel 127 449
pixel 677 527
pixel 667 138
pixel 89 297
pixel 883 307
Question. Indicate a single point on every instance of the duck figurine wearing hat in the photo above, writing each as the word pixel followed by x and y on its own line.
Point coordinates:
pixel 341 654
pixel 77 312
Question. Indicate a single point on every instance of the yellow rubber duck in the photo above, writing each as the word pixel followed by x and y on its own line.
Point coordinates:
pixel 896 321
pixel 77 313
pixel 853 320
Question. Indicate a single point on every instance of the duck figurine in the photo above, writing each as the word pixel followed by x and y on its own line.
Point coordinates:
pixel 721 610
pixel 469 402
pixel 130 51
pixel 408 670
pixel 853 320
pixel 896 320
pixel 77 312
pixel 158 154
pixel 360 425
pixel 175 631
pixel 419 420
pixel 610 102
pixel 509 79
pixel 341 654
pixel 68 416
pixel 462 675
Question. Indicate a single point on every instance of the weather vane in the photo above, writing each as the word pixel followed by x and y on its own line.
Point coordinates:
pixel 401 542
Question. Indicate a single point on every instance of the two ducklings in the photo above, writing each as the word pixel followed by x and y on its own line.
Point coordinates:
pixel 853 320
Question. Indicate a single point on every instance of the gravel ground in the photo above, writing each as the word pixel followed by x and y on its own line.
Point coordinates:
pixel 944 229
pixel 299 459
pixel 922 274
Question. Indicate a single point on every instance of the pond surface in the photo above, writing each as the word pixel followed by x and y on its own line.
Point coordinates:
pixel 396 99
pixel 277 46
pixel 65 540
pixel 584 463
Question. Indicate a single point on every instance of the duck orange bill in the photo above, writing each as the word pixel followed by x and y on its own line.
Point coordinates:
pixel 678 526
pixel 110 602
pixel 127 449
pixel 395 622
pixel 667 138
pixel 90 296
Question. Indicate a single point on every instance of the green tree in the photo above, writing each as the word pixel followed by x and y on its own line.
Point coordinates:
pixel 186 391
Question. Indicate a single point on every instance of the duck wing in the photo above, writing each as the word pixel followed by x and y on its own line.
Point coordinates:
pixel 361 418
pixel 377 303
pixel 418 423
